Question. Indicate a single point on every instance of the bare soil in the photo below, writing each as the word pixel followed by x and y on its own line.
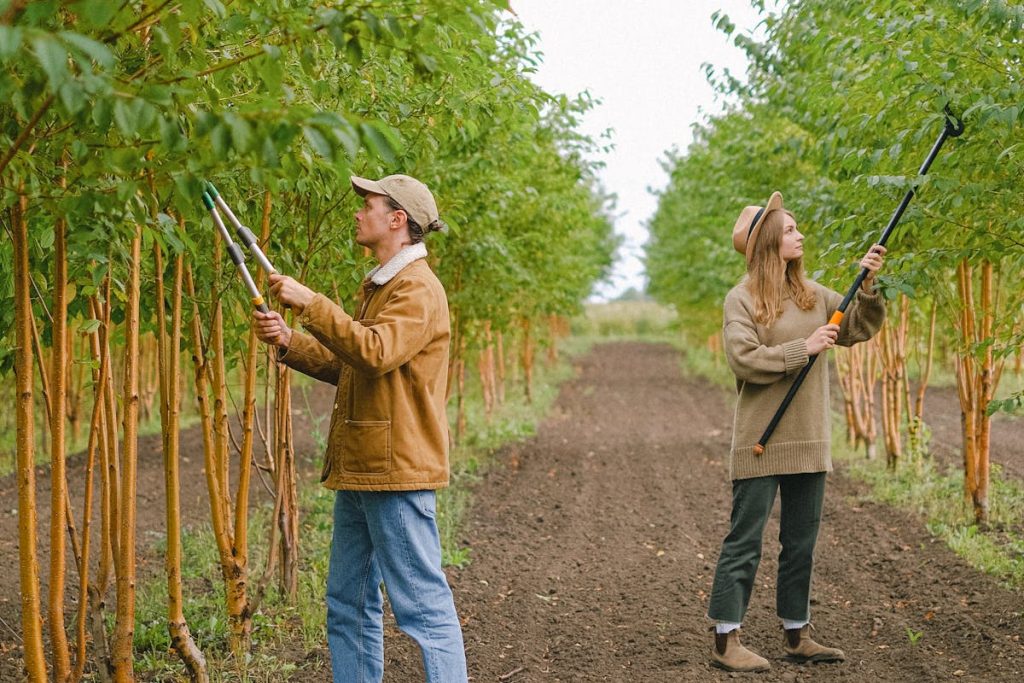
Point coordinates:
pixel 594 545
pixel 942 415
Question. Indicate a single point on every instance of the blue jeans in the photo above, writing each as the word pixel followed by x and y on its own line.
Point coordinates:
pixel 390 536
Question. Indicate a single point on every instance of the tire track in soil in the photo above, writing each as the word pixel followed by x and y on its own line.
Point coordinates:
pixel 594 543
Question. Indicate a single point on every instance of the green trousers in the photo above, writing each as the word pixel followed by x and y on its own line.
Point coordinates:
pixel 801 498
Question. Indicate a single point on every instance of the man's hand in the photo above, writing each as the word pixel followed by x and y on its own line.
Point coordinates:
pixel 290 292
pixel 271 329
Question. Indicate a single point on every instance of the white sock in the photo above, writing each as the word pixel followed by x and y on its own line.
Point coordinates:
pixel 725 627
pixel 790 625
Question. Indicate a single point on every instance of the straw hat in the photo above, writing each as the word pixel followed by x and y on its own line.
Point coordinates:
pixel 748 225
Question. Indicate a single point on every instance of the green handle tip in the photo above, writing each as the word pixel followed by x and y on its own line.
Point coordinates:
pixel 212 190
pixel 207 201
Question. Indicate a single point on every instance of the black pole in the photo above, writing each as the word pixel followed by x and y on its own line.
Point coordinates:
pixel 953 128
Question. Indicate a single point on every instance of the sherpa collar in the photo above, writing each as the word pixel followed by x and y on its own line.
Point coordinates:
pixel 381 275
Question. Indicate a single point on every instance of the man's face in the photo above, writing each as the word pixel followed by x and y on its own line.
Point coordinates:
pixel 373 221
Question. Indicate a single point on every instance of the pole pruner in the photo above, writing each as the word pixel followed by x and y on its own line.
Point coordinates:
pixel 953 127
pixel 214 203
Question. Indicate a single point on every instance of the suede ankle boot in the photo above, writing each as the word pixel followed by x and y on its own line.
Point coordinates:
pixel 730 655
pixel 800 647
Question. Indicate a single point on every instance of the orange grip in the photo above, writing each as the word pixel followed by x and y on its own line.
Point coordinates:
pixel 836 318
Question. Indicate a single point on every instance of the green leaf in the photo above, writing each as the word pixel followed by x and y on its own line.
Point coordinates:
pixel 220 137
pixel 89 326
pixel 428 63
pixel 269 154
pixel 272 70
pixel 10 41
pixel 102 115
pixel 170 135
pixel 72 96
pixel 96 13
pixel 126 116
pixel 318 142
pixel 216 7
pixel 96 50
pixel 379 143
pixel 45 237
pixel 53 58
pixel 241 133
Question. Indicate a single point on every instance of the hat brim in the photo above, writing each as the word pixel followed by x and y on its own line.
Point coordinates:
pixel 774 202
pixel 365 186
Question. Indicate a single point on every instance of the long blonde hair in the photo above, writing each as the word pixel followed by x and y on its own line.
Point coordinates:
pixel 770 278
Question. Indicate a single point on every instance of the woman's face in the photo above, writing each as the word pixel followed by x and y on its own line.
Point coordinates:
pixel 792 244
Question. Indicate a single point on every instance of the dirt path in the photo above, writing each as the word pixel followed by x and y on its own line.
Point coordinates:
pixel 594 546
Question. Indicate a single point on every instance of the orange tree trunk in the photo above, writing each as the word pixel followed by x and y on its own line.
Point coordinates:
pixel 107 447
pixel 61 656
pixel 483 362
pixel 286 503
pixel 500 370
pixel 915 402
pixel 893 345
pixel 977 379
pixel 858 375
pixel 87 592
pixel 124 627
pixel 168 356
pixel 527 359
pixel 214 453
pixel 31 619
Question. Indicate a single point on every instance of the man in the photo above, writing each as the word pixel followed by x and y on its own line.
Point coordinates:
pixel 387 447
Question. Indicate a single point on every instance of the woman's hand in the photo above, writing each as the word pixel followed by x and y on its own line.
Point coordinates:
pixel 822 339
pixel 271 329
pixel 873 262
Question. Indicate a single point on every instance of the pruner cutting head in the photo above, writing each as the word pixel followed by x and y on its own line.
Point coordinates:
pixel 954 124
pixel 214 202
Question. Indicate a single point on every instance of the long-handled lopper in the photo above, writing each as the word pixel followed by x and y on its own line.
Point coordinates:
pixel 213 201
pixel 953 127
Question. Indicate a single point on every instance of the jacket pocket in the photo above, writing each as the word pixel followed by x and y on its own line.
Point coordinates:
pixel 366 447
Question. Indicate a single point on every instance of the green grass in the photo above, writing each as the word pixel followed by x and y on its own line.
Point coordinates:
pixel 698 361
pixel 279 626
pixel 626 320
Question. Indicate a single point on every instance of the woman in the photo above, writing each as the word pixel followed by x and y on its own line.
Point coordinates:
pixel 775 319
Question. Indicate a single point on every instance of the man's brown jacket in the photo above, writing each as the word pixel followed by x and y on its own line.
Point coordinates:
pixel 389 431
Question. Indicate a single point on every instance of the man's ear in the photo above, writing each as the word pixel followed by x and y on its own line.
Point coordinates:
pixel 402 217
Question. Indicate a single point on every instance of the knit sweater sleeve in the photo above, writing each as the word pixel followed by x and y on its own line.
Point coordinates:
pixel 750 359
pixel 863 318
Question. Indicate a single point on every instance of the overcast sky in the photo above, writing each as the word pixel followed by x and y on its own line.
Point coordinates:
pixel 642 59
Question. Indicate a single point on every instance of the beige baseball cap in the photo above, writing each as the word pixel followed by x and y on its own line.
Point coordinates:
pixel 410 193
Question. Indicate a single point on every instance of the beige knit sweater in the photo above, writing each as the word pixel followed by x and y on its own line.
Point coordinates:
pixel 766 360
